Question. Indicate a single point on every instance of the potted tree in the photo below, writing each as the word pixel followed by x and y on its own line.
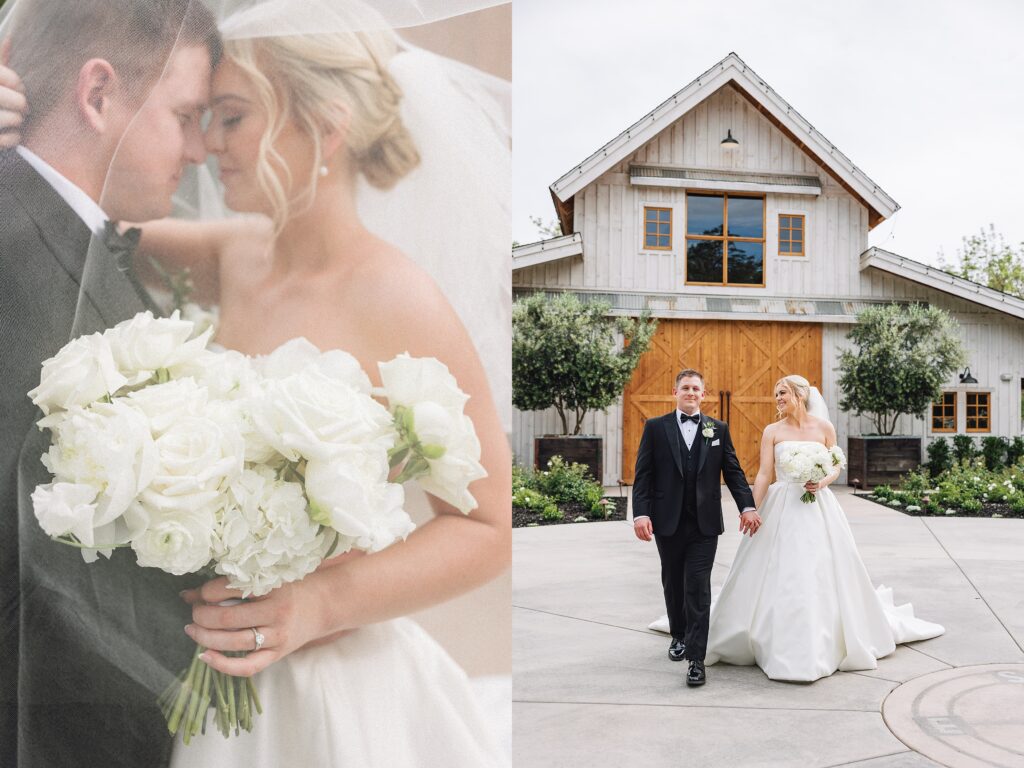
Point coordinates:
pixel 575 357
pixel 905 353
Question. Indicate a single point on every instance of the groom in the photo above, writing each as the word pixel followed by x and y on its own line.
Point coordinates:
pixel 677 499
pixel 115 89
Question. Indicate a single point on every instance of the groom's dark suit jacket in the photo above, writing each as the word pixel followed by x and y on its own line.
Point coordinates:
pixel 658 484
pixel 84 648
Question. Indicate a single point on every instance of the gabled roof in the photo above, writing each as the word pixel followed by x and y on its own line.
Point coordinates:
pixel 543 251
pixel 730 70
pixel 942 281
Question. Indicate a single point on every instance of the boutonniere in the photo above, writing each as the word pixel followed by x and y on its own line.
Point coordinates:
pixel 709 430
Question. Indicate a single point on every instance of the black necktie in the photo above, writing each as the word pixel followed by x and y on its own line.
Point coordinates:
pixel 683 418
pixel 122 248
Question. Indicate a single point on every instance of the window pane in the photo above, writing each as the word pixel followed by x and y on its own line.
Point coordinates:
pixel 797 236
pixel 746 217
pixel 665 214
pixel 784 222
pixel 705 214
pixel 746 263
pixel 783 247
pixel 663 229
pixel 650 241
pixel 652 227
pixel 663 241
pixel 703 261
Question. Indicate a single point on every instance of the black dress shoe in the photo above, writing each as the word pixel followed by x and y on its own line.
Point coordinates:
pixel 676 650
pixel 696 675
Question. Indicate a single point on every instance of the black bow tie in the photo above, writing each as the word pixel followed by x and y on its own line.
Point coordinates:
pixel 684 418
pixel 122 247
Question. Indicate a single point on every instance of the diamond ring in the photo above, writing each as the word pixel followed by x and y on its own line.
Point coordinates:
pixel 258 637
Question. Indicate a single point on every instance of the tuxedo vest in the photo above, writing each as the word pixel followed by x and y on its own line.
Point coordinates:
pixel 690 459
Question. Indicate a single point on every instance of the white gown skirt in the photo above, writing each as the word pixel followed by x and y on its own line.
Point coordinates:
pixel 384 695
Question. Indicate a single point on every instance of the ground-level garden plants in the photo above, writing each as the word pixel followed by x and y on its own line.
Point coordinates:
pixel 971 480
pixel 562 493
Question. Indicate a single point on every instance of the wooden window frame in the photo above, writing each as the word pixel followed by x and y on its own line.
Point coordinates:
pixel 967 411
pixel 671 232
pixel 940 430
pixel 725 238
pixel 791 229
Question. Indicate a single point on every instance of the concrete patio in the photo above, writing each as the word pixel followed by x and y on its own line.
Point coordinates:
pixel 593 686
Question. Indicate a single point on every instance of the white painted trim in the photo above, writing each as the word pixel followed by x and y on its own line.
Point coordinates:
pixel 729 69
pixel 941 281
pixel 532 254
pixel 724 186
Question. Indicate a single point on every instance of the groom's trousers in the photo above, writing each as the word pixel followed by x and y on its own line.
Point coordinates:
pixel 687 557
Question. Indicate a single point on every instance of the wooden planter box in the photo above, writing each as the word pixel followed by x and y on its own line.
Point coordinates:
pixel 881 460
pixel 583 449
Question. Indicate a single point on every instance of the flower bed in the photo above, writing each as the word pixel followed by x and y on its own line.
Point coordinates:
pixel 563 493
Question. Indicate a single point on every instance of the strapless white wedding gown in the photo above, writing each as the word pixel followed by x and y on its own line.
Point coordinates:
pixel 798 601
pixel 384 695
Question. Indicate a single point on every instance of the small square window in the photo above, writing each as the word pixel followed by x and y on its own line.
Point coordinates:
pixel 944 413
pixel 979 412
pixel 791 234
pixel 657 228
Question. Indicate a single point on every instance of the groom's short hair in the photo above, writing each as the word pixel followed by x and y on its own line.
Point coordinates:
pixel 689 372
pixel 52 39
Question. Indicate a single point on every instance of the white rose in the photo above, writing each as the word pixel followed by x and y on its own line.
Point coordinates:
pixel 107 446
pixel 197 457
pixel 179 543
pixel 63 508
pixel 81 373
pixel 410 380
pixel 298 354
pixel 146 344
pixel 310 414
pixel 350 493
pixel 459 462
pixel 165 404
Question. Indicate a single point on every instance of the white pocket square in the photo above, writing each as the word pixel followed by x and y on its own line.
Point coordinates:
pixel 715 442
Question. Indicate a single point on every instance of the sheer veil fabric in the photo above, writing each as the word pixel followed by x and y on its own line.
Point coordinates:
pixel 122 625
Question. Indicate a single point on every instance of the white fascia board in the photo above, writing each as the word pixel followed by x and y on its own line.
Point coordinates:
pixel 532 254
pixel 725 186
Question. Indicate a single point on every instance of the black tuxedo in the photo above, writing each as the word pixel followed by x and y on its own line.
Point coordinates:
pixel 80 644
pixel 680 490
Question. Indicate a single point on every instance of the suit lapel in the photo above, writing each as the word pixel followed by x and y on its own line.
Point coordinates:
pixel 110 292
pixel 674 440
pixel 703 446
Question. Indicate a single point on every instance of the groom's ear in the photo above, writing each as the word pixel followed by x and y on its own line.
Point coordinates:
pixel 94 91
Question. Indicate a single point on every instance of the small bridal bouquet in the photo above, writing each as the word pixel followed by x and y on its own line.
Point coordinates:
pixel 808 462
pixel 256 469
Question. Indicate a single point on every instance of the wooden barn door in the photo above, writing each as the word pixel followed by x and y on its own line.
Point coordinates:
pixel 740 362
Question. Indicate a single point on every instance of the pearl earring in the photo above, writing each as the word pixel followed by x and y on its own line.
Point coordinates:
pixel 323 170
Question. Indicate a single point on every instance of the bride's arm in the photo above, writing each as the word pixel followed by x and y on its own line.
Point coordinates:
pixel 449 555
pixel 766 470
pixel 830 440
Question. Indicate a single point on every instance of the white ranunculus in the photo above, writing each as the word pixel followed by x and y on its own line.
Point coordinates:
pixel 66 508
pixel 309 414
pixel 146 344
pixel 410 380
pixel 177 543
pixel 350 493
pixel 83 372
pixel 266 537
pixel 166 404
pixel 198 456
pixel 108 446
pixel 459 463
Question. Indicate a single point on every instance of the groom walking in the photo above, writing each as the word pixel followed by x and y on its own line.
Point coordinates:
pixel 677 499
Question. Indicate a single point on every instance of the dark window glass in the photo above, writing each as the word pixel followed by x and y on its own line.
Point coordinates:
pixel 703 261
pixel 705 214
pixel 746 217
pixel 746 263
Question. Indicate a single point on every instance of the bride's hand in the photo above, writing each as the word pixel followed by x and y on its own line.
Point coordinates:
pixel 812 486
pixel 13 106
pixel 288 618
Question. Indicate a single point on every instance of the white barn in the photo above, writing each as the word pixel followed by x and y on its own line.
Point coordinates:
pixel 754 256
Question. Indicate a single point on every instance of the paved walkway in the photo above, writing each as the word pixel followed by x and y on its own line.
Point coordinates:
pixel 593 687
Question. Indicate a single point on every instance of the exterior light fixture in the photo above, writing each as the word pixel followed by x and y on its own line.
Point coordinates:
pixel 729 142
pixel 966 378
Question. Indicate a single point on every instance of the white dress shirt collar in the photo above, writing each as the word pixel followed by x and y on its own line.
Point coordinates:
pixel 84 206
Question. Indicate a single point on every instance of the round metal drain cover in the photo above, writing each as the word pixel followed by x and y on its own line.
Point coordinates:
pixel 962 718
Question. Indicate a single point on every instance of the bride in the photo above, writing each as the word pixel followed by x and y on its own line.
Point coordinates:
pixel 307 109
pixel 798 601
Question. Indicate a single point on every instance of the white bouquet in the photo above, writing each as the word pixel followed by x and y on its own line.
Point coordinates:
pixel 253 468
pixel 807 462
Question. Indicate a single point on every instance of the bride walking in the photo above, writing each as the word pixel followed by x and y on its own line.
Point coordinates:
pixel 798 601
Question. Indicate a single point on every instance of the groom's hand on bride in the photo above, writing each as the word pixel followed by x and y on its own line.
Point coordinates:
pixel 643 529
pixel 750 522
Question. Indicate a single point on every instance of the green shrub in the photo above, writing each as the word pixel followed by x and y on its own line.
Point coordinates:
pixel 939 458
pixel 1017 504
pixel 552 512
pixel 568 482
pixel 963 448
pixel 527 498
pixel 971 506
pixel 993 448
pixel 1015 451
pixel 883 492
pixel 602 509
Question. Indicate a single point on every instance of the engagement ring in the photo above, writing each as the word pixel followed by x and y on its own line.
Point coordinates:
pixel 258 636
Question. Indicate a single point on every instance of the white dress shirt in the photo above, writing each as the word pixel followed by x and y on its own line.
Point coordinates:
pixel 688 429
pixel 83 205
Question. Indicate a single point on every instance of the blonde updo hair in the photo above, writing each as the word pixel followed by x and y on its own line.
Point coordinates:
pixel 799 386
pixel 321 82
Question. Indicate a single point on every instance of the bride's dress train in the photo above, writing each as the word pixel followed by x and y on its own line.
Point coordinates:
pixel 798 601
pixel 383 695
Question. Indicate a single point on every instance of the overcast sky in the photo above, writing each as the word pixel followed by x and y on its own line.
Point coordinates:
pixel 925 96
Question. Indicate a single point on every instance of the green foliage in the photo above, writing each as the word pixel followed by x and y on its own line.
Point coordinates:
pixel 530 499
pixel 939 457
pixel 560 483
pixel 602 509
pixel 966 487
pixel 986 258
pixel 963 448
pixel 565 355
pixel 904 355
pixel 1015 451
pixel 993 448
pixel 552 512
